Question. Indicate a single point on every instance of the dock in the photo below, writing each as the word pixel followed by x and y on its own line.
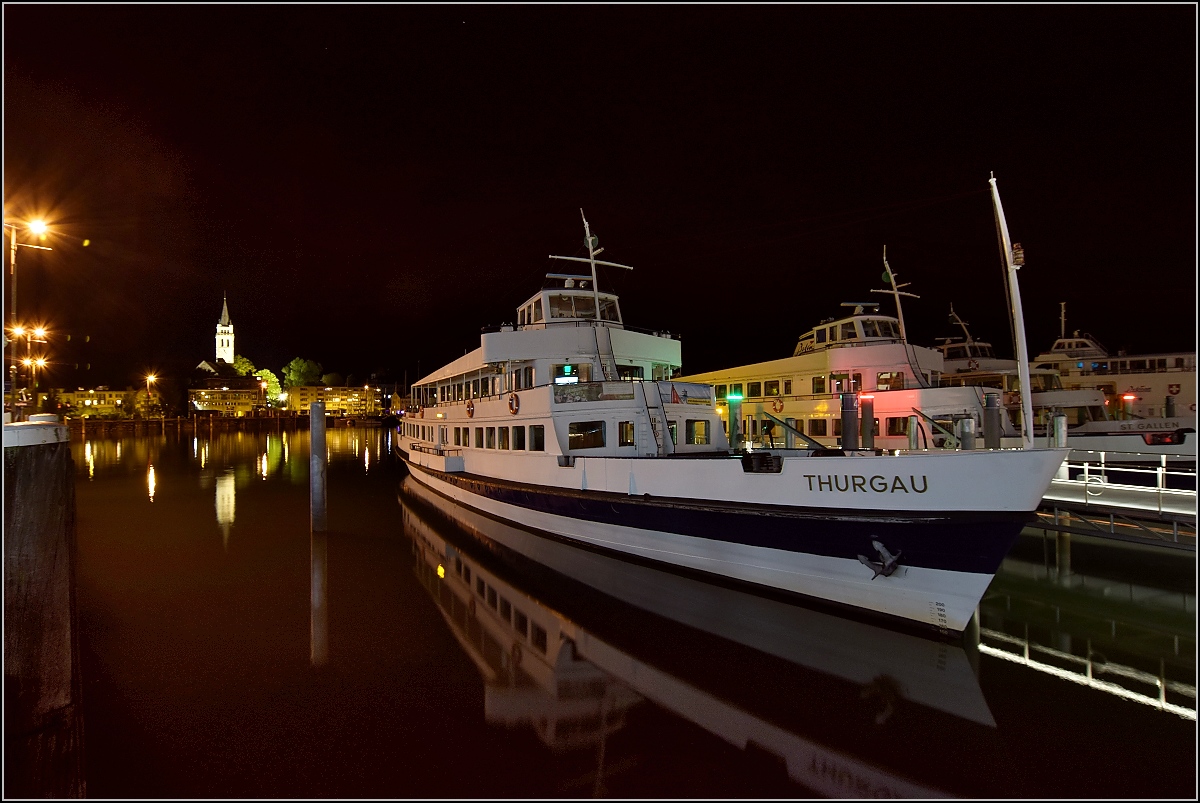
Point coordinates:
pixel 1146 503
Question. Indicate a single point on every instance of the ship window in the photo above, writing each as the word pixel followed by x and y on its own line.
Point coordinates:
pixel 837 427
pixel 585 434
pixel 889 380
pixel 754 390
pixel 787 387
pixel 474 388
pixel 832 334
pixel 528 371
pixel 870 329
pixel 818 384
pixel 848 331
pixel 505 609
pixel 696 431
pixel 478 437
pixel 820 335
pixel 539 638
pixel 520 622
pixel 491 437
pixel 503 442
pixel 479 586
pixel 625 433
pixel 517 379
pixel 818 426
pixel 491 597
pixel 897 426
pixel 457 436
pixel 518 442
pixel 585 307
pixel 537 438
pixel 537 310
pixel 673 426
pixel 568 374
pixel 608 310
pixel 630 371
pixel 771 388
pixel 521 317
pixel 735 390
pixel 719 390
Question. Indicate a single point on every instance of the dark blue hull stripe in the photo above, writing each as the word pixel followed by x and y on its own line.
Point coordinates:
pixel 963 542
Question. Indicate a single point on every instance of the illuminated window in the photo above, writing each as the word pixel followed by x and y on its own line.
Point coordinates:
pixel 818 426
pixel 625 433
pixel 585 434
pixel 696 431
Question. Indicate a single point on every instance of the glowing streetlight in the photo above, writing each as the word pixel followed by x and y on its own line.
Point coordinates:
pixel 39 228
pixel 150 379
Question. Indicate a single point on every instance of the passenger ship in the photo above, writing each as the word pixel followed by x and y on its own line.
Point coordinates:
pixel 1148 385
pixel 1096 423
pixel 567 424
pixel 918 396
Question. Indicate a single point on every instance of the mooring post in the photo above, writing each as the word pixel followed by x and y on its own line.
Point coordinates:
pixel 43 720
pixel 318 633
pixel 317 466
pixel 867 409
pixel 991 420
pixel 850 421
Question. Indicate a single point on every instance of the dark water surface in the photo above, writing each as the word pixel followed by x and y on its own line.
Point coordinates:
pixel 418 650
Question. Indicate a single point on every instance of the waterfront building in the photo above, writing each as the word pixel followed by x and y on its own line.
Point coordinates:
pixel 339 401
pixel 101 401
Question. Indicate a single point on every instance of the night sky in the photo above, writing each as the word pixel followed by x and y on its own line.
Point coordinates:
pixel 370 185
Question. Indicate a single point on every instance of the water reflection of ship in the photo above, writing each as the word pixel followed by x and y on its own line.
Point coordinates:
pixel 226 503
pixel 567 657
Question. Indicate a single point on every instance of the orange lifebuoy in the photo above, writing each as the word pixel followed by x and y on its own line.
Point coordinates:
pixel 470 408
pixel 777 405
pixel 516 653
pixel 972 365
pixel 514 403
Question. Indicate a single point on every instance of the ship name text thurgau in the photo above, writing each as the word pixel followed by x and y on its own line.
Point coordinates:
pixel 854 483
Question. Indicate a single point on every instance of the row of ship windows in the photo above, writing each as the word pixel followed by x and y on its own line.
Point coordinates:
pixel 833 383
pixel 1133 366
pixel 510 614
pixel 580 435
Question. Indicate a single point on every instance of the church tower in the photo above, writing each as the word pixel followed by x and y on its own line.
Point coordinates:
pixel 225 334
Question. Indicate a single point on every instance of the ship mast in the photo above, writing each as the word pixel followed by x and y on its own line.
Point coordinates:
pixel 1062 319
pixel 591 243
pixel 1014 258
pixel 893 280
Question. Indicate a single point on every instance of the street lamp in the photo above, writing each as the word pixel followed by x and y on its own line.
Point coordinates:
pixel 150 378
pixel 38 227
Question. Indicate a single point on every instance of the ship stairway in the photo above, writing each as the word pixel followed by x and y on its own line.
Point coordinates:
pixel 657 416
pixel 604 350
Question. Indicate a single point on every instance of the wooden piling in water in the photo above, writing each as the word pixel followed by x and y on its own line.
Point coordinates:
pixel 317 467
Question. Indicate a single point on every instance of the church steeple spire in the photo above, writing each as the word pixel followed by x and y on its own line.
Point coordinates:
pixel 225 334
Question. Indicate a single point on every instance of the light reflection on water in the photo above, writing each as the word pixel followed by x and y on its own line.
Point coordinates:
pixel 230 653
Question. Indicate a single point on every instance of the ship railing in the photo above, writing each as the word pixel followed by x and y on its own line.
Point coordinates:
pixel 1146 488
pixel 443 451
